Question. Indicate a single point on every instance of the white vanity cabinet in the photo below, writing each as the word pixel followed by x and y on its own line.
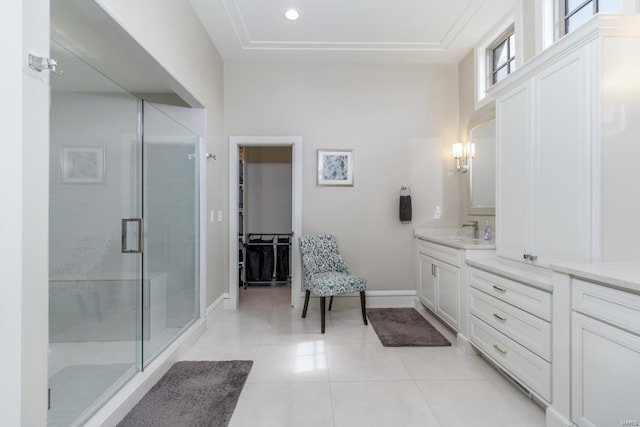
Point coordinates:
pixel 427 281
pixel 565 143
pixel 439 282
pixel 605 347
pixel 511 324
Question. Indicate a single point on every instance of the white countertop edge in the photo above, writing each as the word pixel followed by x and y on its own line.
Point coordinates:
pixel 533 276
pixel 440 235
pixel 625 276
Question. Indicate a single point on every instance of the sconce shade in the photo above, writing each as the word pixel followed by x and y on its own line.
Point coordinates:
pixel 457 150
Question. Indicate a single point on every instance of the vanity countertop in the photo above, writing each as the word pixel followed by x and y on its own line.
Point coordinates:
pixel 625 276
pixel 532 275
pixel 454 238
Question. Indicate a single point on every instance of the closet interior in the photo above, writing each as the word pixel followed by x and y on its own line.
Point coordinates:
pixel 264 215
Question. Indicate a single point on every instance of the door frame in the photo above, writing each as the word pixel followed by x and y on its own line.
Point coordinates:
pixel 295 142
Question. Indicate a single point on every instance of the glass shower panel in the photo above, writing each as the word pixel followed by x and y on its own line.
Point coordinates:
pixel 94 287
pixel 171 230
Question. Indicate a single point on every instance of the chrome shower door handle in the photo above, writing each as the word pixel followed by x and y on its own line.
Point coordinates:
pixel 131 235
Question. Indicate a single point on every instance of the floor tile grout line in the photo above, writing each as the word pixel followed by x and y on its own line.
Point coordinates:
pixel 426 399
pixel 333 411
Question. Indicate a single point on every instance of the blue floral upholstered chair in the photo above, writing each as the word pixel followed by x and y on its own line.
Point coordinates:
pixel 326 274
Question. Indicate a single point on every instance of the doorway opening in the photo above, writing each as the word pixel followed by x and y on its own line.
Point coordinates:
pixel 265 215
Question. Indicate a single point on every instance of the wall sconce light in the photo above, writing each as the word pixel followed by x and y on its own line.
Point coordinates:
pixel 461 156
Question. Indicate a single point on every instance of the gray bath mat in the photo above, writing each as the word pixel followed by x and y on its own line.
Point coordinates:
pixel 404 327
pixel 192 394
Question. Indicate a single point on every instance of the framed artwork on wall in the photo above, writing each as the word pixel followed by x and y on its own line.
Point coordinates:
pixel 83 165
pixel 335 167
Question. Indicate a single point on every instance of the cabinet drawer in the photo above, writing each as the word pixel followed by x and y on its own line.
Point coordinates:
pixel 440 252
pixel 527 298
pixel 524 328
pixel 611 305
pixel 531 370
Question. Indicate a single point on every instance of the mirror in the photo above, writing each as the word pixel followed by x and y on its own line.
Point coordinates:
pixel 482 168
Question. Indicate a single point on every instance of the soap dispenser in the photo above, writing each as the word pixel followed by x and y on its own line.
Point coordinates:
pixel 487 231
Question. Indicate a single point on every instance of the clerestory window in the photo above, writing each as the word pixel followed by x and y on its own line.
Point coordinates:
pixel 501 57
pixel 577 12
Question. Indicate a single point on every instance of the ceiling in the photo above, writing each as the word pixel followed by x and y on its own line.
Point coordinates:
pixel 442 31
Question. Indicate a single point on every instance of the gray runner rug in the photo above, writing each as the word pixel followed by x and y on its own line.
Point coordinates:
pixel 192 394
pixel 404 327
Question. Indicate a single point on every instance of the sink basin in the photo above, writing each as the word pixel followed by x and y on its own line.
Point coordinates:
pixel 460 239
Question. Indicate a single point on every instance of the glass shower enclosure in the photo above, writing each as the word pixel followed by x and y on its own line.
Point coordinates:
pixel 123 238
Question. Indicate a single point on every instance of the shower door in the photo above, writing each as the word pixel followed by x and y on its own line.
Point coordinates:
pixel 95 240
pixel 123 237
pixel 170 211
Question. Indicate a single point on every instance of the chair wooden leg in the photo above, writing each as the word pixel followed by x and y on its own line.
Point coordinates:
pixel 322 314
pixel 306 303
pixel 330 302
pixel 363 304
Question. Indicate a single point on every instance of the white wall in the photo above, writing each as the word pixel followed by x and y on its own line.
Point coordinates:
pixel 24 215
pixel 268 189
pixel 398 119
pixel 11 165
pixel 171 33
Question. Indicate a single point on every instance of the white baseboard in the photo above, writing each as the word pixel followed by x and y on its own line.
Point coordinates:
pixel 378 299
pixel 124 400
pixel 216 307
pixel 554 419
pixel 465 346
pixel 375 299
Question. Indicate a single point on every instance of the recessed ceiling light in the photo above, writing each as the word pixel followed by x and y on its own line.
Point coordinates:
pixel 292 14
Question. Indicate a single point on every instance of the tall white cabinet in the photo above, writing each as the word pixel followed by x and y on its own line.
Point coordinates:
pixel 566 145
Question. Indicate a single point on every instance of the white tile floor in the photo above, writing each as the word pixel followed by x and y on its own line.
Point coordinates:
pixel 347 378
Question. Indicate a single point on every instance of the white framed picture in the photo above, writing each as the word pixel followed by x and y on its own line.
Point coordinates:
pixel 83 165
pixel 335 167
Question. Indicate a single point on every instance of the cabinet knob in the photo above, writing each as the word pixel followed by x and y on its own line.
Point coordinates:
pixel 530 257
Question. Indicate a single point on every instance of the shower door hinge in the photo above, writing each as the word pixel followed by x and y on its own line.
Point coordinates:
pixel 40 64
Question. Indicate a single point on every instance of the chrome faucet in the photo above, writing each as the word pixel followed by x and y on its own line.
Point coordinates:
pixel 474 224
